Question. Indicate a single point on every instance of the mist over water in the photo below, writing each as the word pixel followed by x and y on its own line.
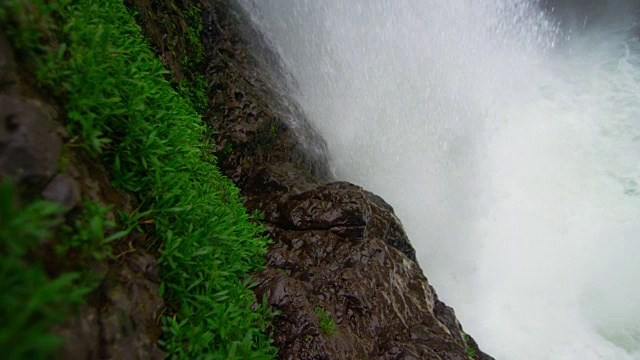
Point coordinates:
pixel 507 138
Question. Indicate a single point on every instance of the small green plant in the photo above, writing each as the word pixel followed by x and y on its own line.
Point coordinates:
pixel 193 16
pixel 327 325
pixel 285 272
pixel 195 92
pixel 193 86
pixel 31 301
pixel 88 232
pixel 228 149
pixel 471 351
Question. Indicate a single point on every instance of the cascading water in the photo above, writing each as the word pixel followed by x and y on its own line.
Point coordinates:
pixel 508 141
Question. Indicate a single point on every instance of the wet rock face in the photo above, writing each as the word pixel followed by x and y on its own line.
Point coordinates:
pixel 341 269
pixel 335 205
pixel 123 325
pixel 380 301
pixel 335 250
pixel 254 125
pixel 291 202
pixel 30 142
pixel 29 146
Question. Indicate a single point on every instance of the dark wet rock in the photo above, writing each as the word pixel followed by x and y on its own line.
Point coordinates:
pixel 81 336
pixel 132 307
pixel 8 69
pixel 343 208
pixel 381 303
pixel 254 124
pixel 384 225
pixel 118 325
pixel 63 189
pixel 337 204
pixel 29 142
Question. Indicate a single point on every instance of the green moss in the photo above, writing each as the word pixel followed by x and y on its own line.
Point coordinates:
pixel 228 149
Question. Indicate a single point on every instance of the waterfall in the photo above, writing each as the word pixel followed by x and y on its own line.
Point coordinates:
pixel 506 134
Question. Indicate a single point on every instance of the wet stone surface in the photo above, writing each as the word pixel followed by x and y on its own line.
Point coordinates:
pixel 29 145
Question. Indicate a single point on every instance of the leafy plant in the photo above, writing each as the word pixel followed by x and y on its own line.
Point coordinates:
pixel 471 352
pixel 194 91
pixel 30 300
pixel 193 16
pixel 193 87
pixel 89 231
pixel 327 325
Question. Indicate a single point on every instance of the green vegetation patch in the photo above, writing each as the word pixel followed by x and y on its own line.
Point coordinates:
pixel 121 109
pixel 34 298
pixel 30 301
pixel 327 325
pixel 471 352
pixel 193 87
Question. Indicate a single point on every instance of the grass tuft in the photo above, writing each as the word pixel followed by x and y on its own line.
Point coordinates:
pixel 327 324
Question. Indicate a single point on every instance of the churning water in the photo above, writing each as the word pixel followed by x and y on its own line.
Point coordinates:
pixel 506 134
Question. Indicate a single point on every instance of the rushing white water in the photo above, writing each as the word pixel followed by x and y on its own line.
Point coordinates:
pixel 509 146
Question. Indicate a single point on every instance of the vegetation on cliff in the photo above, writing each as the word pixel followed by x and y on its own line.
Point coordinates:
pixel 121 110
pixel 30 302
